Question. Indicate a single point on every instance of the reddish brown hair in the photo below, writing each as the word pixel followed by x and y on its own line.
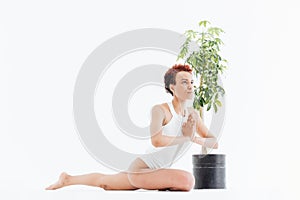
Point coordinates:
pixel 170 75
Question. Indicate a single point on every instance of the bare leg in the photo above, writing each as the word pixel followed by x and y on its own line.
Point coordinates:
pixel 140 177
pixel 108 182
pixel 163 179
pixel 173 179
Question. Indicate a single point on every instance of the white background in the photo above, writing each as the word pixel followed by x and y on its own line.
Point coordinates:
pixel 43 45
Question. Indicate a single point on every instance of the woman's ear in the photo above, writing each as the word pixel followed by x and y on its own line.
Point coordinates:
pixel 172 88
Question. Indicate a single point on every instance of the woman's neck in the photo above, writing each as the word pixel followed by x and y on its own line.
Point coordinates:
pixel 179 106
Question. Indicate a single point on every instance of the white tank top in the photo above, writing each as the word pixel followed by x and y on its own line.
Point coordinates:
pixel 173 128
pixel 166 156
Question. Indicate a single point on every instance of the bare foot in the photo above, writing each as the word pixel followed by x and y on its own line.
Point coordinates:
pixel 62 181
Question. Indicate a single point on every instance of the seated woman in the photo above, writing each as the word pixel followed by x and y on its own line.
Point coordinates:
pixel 167 131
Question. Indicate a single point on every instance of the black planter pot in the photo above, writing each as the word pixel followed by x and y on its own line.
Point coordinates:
pixel 209 171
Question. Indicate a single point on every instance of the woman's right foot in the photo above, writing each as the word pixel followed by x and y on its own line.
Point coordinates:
pixel 62 181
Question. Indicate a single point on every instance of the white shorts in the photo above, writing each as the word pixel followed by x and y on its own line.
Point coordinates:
pixel 163 157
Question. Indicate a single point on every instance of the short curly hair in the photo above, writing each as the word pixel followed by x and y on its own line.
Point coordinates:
pixel 170 75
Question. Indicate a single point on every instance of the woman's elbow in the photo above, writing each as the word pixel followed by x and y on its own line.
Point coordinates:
pixel 156 142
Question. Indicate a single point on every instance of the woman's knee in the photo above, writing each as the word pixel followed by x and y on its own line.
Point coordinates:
pixel 135 179
pixel 186 181
pixel 135 171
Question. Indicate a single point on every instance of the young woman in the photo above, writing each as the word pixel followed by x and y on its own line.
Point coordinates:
pixel 169 132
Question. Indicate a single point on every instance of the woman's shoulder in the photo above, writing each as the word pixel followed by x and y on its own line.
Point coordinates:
pixel 161 107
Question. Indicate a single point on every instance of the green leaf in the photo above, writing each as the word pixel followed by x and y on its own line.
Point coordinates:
pixel 218 103
pixel 201 102
pixel 204 23
pixel 208 107
pixel 215 108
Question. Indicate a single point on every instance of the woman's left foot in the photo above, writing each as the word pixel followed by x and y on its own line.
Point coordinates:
pixel 62 181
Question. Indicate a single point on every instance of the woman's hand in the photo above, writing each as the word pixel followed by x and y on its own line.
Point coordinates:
pixel 206 142
pixel 189 127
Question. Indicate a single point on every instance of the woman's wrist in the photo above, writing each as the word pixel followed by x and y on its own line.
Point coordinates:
pixel 198 140
pixel 193 138
pixel 188 138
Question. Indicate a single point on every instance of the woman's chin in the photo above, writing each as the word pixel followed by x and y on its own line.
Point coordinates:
pixel 190 97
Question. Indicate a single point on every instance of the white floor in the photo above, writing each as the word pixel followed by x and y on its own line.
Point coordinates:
pixel 90 194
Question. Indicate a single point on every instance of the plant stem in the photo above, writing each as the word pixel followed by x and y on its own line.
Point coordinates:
pixel 204 150
pixel 201 108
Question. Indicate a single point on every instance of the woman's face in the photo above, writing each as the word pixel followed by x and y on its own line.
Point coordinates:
pixel 184 88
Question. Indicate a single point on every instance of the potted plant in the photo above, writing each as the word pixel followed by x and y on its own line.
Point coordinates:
pixel 207 64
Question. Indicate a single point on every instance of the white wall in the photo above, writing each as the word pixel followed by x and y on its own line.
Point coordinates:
pixel 43 46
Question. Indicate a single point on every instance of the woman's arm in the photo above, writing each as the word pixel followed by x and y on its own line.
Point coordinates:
pixel 206 138
pixel 156 125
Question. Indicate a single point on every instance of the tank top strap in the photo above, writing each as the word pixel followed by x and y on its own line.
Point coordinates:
pixel 173 112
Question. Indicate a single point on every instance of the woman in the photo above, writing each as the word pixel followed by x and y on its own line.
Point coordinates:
pixel 168 132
